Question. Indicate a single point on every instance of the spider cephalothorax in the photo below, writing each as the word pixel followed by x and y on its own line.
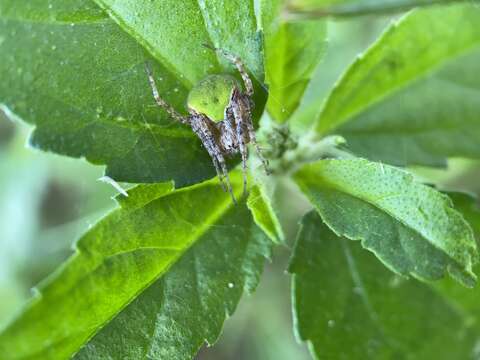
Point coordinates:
pixel 221 116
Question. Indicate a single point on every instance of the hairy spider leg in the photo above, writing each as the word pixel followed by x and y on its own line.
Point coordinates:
pixel 238 114
pixel 217 167
pixel 162 103
pixel 206 141
pixel 235 60
pixel 253 139
pixel 229 135
pixel 200 127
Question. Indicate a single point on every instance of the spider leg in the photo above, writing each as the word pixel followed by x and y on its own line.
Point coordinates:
pixel 258 150
pixel 223 165
pixel 206 140
pixel 217 169
pixel 238 113
pixel 160 102
pixel 228 133
pixel 235 60
pixel 200 127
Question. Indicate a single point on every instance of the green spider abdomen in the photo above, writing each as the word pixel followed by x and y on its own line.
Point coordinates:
pixel 212 95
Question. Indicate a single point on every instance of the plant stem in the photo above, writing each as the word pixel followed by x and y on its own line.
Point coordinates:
pixel 312 148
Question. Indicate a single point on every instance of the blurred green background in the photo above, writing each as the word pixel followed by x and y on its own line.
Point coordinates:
pixel 47 201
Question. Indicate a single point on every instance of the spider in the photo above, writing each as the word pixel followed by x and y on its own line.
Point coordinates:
pixel 220 114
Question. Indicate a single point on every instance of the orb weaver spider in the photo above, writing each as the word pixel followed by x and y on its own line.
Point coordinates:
pixel 220 114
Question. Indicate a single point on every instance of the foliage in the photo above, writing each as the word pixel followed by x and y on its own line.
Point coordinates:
pixel 158 275
pixel 367 306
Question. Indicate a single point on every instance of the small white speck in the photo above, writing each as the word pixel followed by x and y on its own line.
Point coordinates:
pixel 176 90
pixel 231 285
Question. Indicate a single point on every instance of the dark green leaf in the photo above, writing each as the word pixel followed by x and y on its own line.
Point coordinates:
pixel 132 249
pixel 410 227
pixel 413 99
pixel 80 78
pixel 347 306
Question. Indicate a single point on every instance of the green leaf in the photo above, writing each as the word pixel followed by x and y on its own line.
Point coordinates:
pixel 194 232
pixel 80 78
pixel 186 307
pixel 468 205
pixel 464 299
pixel 347 306
pixel 410 227
pixel 176 40
pixel 413 102
pixel 307 9
pixel 263 212
pixel 292 52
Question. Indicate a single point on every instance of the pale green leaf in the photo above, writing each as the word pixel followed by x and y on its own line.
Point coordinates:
pixel 263 212
pixel 292 52
pixel 410 227
pixel 348 306
pixel 412 98
pixel 197 230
